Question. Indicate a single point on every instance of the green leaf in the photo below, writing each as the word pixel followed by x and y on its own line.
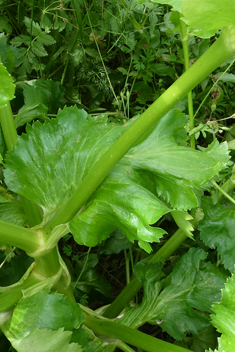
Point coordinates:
pixel 89 278
pixel 176 4
pixel 7 53
pixel 217 230
pixel 11 210
pixel 204 340
pixel 45 39
pixel 55 312
pixel 46 340
pixel 155 177
pixel 182 219
pixel 224 317
pixel 7 88
pixel 204 18
pixel 38 49
pixel 39 97
pixel 162 69
pixel 54 167
pixel 36 30
pixel 115 244
pixel 194 286
pixel 208 16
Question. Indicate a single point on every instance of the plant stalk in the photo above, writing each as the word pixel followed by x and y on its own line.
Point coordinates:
pixel 219 52
pixel 130 336
pixel 8 126
pixel 17 236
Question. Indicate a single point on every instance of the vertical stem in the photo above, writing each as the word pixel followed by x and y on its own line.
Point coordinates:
pixel 184 37
pixel 8 126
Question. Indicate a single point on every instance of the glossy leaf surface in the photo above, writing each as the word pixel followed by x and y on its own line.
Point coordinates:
pixel 55 312
pixel 158 175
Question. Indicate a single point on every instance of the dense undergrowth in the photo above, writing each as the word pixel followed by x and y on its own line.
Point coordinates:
pixel 156 204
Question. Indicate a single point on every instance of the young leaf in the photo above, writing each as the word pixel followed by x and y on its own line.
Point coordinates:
pixel 194 286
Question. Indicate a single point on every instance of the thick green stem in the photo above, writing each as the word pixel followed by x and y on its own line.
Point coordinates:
pixel 18 236
pixel 220 51
pixel 184 36
pixel 131 336
pixel 47 263
pixel 8 126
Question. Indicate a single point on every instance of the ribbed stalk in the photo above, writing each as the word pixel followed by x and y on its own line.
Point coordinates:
pixel 220 51
pixel 18 236
pixel 130 336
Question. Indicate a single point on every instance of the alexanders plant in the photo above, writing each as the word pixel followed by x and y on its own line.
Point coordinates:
pixel 80 174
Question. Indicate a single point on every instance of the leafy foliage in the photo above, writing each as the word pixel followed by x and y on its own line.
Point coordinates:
pixel 217 230
pixel 223 319
pixel 79 142
pixel 193 287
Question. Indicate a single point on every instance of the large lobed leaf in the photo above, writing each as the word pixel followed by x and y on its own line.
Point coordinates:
pixel 49 322
pixel 158 175
pixel 194 286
